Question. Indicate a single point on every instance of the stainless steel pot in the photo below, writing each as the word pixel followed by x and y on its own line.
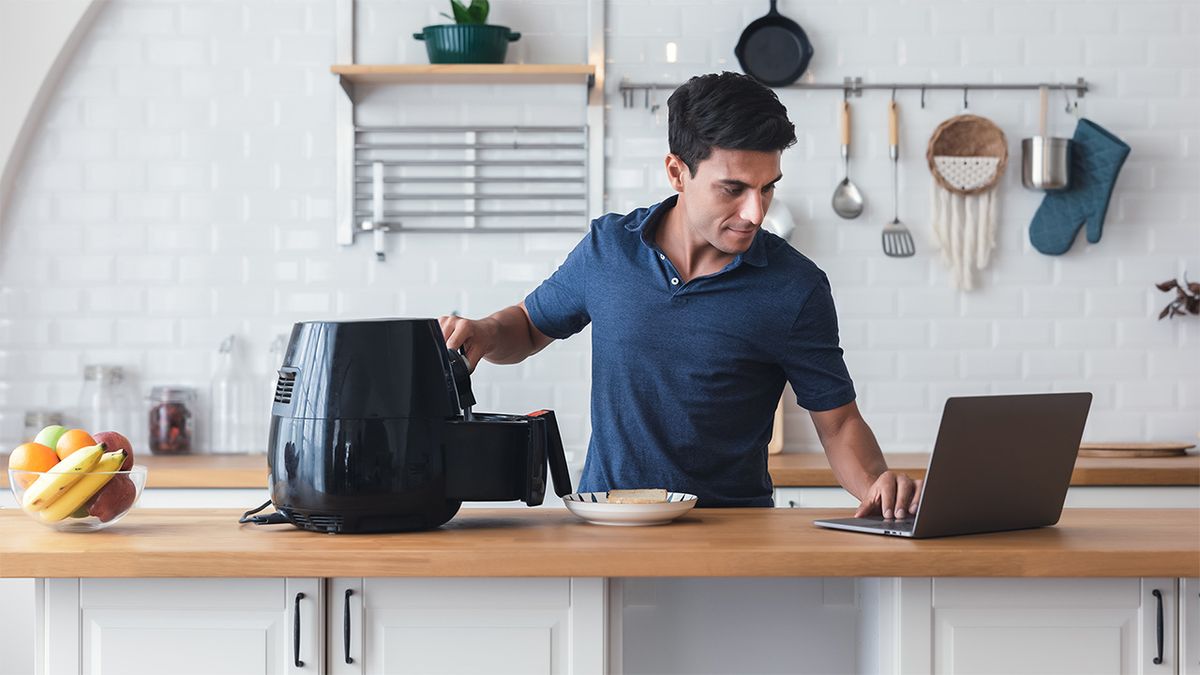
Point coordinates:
pixel 1046 163
pixel 1045 160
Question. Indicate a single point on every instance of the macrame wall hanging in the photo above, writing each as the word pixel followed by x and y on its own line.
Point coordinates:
pixel 967 155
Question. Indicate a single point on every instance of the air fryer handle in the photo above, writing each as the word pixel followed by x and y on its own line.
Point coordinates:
pixel 461 373
pixel 555 454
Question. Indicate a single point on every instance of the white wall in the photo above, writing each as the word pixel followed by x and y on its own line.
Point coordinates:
pixel 181 187
pixel 36 58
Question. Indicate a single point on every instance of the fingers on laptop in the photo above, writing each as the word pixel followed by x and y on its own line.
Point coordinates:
pixel 893 494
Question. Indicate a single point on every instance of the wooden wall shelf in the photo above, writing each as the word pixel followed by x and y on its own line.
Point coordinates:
pixel 467 73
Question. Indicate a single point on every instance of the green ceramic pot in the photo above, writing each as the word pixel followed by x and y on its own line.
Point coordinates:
pixel 467 43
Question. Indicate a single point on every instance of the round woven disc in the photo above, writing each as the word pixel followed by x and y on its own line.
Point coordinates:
pixel 967 136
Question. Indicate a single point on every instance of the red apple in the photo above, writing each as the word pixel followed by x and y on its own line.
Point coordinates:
pixel 113 499
pixel 116 441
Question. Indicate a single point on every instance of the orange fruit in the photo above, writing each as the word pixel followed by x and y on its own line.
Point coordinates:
pixel 31 457
pixel 73 440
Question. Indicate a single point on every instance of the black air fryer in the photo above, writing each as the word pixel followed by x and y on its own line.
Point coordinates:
pixel 372 431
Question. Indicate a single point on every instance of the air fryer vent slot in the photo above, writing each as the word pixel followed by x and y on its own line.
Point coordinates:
pixel 284 386
pixel 318 522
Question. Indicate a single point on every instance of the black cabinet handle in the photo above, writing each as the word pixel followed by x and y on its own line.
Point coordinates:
pixel 1159 659
pixel 296 632
pixel 346 626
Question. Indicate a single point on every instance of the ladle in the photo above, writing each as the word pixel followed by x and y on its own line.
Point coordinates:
pixel 847 200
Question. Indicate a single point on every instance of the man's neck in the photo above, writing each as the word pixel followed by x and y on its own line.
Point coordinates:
pixel 691 254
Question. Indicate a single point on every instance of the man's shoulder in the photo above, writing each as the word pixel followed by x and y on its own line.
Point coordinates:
pixel 782 255
pixel 618 225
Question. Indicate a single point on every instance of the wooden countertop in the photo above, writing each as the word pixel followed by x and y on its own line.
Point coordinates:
pixel 195 471
pixel 787 470
pixel 811 469
pixel 552 542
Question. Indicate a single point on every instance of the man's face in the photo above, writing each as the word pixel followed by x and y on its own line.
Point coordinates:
pixel 727 198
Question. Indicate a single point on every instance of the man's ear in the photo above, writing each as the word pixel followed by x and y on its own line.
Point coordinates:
pixel 675 171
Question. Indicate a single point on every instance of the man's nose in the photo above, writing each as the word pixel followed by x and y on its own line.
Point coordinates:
pixel 754 208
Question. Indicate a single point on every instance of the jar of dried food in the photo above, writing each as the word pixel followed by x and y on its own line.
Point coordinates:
pixel 171 422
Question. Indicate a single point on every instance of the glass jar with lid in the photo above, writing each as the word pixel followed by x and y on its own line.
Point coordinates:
pixel 171 420
pixel 105 400
pixel 36 420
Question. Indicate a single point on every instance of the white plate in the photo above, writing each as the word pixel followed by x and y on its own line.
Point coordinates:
pixel 594 508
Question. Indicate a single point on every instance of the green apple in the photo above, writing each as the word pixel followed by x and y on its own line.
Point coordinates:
pixel 49 436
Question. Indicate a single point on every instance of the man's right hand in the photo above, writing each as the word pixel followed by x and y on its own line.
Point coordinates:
pixel 478 337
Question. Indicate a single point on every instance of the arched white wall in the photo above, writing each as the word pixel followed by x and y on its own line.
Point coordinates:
pixel 37 39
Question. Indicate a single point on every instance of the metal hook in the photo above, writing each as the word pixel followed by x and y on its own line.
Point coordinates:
pixel 922 98
pixel 966 105
pixel 846 93
pixel 1067 97
pixel 893 94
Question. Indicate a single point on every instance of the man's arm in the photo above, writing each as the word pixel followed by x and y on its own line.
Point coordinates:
pixel 508 336
pixel 858 464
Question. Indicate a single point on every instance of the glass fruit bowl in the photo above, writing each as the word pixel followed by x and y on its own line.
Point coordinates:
pixel 84 503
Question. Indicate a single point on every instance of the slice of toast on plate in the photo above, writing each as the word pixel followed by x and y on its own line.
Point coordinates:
pixel 639 496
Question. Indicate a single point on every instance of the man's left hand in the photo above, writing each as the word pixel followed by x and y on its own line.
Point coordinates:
pixel 895 495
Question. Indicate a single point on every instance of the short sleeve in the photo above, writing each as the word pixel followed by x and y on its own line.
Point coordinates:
pixel 812 356
pixel 558 306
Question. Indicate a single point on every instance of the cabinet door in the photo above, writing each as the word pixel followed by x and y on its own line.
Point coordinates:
pixel 1051 625
pixel 1189 626
pixel 182 626
pixel 447 625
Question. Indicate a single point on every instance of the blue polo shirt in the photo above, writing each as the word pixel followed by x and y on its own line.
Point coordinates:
pixel 685 376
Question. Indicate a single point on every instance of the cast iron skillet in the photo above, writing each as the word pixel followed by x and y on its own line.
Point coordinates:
pixel 774 49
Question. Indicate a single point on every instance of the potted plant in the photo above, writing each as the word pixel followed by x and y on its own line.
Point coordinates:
pixel 470 39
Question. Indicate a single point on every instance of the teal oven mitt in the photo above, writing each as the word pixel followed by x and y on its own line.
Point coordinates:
pixel 1096 159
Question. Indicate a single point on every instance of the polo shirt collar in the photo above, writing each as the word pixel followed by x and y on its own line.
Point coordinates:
pixel 755 255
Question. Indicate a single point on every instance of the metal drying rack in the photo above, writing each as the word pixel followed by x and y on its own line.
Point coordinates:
pixel 854 86
pixel 456 167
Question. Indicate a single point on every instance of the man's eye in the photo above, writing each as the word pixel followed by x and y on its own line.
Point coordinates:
pixel 769 189
pixel 733 192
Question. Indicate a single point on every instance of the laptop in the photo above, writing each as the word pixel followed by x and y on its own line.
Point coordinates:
pixel 999 463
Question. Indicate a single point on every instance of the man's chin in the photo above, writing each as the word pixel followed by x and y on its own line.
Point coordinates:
pixel 736 242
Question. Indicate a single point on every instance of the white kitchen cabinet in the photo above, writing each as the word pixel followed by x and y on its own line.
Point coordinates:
pixel 1189 626
pixel 765 626
pixel 1014 626
pixel 181 626
pixel 451 625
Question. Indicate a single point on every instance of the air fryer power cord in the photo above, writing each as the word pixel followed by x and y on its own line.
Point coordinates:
pixel 267 519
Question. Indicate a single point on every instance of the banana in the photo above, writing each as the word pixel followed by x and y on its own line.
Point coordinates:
pixel 50 486
pixel 84 488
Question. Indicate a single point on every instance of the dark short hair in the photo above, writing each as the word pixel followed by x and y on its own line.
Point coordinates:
pixel 726 110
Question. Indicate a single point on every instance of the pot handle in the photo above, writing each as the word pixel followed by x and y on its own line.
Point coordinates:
pixel 419 36
pixel 513 36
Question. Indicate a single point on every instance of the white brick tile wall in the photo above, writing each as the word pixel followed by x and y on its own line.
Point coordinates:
pixel 115 300
pixel 188 156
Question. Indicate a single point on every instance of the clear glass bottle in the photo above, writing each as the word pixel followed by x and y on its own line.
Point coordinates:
pixel 171 420
pixel 230 414
pixel 106 402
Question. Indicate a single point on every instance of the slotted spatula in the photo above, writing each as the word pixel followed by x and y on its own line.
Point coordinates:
pixel 897 242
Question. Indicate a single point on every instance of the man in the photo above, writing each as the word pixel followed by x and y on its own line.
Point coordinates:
pixel 698 319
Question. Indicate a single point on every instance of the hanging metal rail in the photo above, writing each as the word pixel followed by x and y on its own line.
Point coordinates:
pixel 854 86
